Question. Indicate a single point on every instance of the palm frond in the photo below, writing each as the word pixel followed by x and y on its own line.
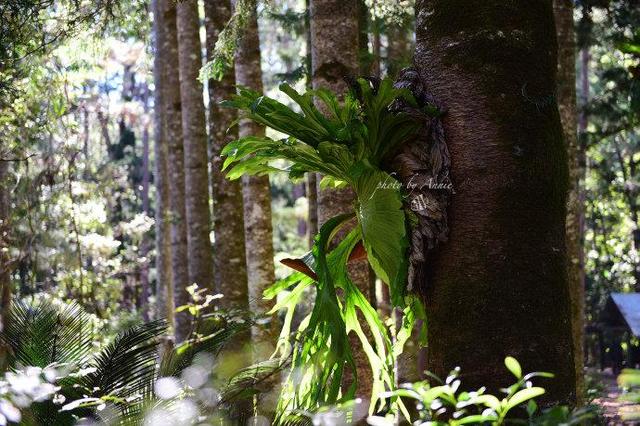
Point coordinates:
pixel 297 419
pixel 41 333
pixel 127 367
pixel 252 380
pixel 217 331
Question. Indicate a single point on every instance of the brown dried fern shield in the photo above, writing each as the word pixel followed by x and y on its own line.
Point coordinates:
pixel 422 165
pixel 358 253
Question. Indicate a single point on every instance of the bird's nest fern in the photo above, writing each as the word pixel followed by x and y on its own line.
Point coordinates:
pixel 349 142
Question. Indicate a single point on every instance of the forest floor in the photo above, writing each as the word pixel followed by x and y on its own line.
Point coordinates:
pixel 614 410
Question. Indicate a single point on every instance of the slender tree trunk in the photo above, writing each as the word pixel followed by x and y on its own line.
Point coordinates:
pixel 5 268
pixel 298 191
pixel 312 183
pixel 85 140
pixel 104 128
pixel 228 222
pixel 334 40
pixel 257 194
pixel 583 119
pixel 408 368
pixel 146 177
pixel 164 285
pixel 398 55
pixel 377 47
pixel 499 286
pixel 585 58
pixel 195 146
pixel 365 59
pixel 230 266
pixel 563 10
pixel 175 167
pixel 582 115
pixel 312 212
pixel 335 46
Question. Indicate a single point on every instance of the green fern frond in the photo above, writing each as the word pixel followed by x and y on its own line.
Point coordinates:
pixel 42 333
pixel 348 142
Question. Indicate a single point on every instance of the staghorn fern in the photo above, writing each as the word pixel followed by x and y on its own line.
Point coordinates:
pixel 349 144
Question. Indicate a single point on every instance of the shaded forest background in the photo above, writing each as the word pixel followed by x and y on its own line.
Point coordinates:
pixel 111 129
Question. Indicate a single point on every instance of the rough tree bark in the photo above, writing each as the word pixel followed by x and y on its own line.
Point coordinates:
pixel 257 194
pixel 334 56
pixel 499 286
pixel 164 286
pixel 230 269
pixel 566 76
pixel 175 168
pixel 195 146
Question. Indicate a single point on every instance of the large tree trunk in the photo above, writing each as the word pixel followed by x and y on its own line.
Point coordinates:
pixel 175 167
pixel 257 196
pixel 164 286
pixel 499 286
pixel 334 56
pixel 230 267
pixel 195 146
pixel 563 10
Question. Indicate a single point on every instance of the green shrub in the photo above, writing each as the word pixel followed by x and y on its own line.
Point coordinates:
pixel 448 404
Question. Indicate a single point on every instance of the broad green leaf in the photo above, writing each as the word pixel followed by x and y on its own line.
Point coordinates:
pixel 476 419
pixel 254 166
pixel 281 285
pixel 629 47
pixel 435 392
pixel 514 366
pixel 338 155
pixel 382 220
pixel 329 182
pixel 488 400
pixel 523 396
pixel 311 113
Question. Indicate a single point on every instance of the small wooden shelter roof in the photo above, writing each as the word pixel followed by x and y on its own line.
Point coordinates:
pixel 623 310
